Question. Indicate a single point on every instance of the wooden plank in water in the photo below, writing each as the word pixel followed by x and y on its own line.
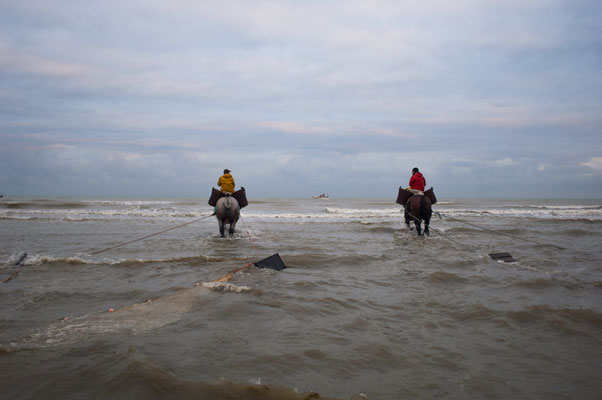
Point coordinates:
pixel 505 257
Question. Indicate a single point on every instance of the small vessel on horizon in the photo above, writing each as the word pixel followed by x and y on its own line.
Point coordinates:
pixel 322 196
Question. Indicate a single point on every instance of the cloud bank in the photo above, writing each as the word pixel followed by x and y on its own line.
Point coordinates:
pixel 494 99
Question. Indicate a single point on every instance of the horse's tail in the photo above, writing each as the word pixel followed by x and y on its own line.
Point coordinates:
pixel 423 214
pixel 228 202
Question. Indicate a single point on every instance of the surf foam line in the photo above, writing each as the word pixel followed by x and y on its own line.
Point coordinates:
pixel 151 235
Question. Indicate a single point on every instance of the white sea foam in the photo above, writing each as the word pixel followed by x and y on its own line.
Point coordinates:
pixel 225 287
pixel 592 213
pixel 549 212
pixel 166 209
pixel 126 202
pixel 362 212
pixel 82 214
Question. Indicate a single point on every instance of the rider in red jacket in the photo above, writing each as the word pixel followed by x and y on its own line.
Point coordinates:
pixel 417 181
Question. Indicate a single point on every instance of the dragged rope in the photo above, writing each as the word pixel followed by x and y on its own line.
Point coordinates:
pixel 445 236
pixel 250 237
pixel 151 235
pixel 437 231
pixel 500 233
pixel 20 264
pixel 230 275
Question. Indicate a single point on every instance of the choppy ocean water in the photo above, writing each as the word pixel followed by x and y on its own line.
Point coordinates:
pixel 365 309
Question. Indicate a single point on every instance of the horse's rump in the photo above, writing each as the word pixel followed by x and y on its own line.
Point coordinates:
pixel 419 206
pixel 227 209
pixel 227 212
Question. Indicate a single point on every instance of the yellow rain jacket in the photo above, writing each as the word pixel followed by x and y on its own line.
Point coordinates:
pixel 226 183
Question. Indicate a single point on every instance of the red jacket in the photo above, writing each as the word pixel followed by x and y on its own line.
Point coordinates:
pixel 417 181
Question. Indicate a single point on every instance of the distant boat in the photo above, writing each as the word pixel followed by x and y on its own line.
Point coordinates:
pixel 322 196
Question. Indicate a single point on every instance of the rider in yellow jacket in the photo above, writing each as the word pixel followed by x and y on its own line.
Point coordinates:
pixel 226 182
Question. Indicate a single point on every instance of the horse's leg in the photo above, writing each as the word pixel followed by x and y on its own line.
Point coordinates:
pixel 418 228
pixel 407 218
pixel 233 218
pixel 427 222
pixel 222 228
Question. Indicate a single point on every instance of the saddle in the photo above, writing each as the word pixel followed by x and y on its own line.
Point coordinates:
pixel 239 195
pixel 403 196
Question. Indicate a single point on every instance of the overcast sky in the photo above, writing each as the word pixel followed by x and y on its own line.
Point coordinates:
pixel 489 98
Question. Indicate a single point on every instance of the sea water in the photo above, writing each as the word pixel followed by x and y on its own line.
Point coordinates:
pixel 365 309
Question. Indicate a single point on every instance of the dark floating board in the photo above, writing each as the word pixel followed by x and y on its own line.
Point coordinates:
pixel 505 257
pixel 272 262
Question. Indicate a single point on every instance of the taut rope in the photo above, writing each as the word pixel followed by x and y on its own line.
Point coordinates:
pixel 229 276
pixel 250 237
pixel 500 233
pixel 154 234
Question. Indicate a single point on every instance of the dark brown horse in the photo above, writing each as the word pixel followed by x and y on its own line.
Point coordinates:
pixel 417 208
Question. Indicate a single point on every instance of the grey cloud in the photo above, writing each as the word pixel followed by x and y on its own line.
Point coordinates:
pixel 159 92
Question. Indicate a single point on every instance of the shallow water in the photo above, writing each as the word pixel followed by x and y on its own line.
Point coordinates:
pixel 365 308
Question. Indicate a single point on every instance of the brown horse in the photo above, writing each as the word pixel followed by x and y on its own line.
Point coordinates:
pixel 417 208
